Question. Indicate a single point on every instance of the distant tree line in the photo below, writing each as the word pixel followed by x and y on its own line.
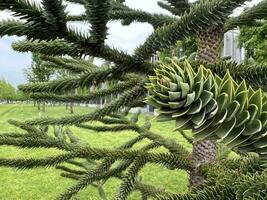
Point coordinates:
pixel 9 94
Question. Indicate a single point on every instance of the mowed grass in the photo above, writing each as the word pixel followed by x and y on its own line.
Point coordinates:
pixel 46 184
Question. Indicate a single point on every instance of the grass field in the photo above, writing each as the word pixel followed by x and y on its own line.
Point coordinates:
pixel 46 184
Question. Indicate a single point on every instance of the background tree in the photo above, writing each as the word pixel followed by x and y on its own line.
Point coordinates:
pixel 7 91
pixel 254 40
pixel 65 67
pixel 22 97
pixel 175 86
pixel 185 48
pixel 38 72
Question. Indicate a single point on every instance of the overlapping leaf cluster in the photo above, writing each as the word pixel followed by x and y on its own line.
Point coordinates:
pixel 212 107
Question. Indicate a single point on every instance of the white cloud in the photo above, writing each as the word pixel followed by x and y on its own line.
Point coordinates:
pixel 5 15
pixel 128 37
pixel 146 5
pixel 12 63
pixel 75 9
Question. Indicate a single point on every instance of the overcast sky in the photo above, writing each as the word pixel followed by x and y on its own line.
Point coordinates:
pixel 12 64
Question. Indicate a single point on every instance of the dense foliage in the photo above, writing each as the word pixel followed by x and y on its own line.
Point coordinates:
pixel 8 93
pixel 254 40
pixel 188 93
pixel 210 106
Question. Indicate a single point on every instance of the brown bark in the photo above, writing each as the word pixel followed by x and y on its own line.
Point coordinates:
pixel 209 44
pixel 204 152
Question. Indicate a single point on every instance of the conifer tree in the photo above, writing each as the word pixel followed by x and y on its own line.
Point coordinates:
pixel 209 96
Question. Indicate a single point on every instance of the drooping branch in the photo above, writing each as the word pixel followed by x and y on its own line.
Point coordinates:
pixel 48 48
pixel 122 101
pixel 83 98
pixel 85 80
pixel 127 17
pixel 55 18
pixel 248 17
pixel 76 151
pixel 23 9
pixel 12 27
pixel 73 65
pixel 98 16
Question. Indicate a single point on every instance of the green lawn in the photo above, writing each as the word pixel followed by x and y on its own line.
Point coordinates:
pixel 43 184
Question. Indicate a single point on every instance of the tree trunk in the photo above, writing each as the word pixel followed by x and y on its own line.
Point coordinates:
pixel 38 106
pixel 209 45
pixel 71 108
pixel 72 103
pixel 43 107
pixel 204 152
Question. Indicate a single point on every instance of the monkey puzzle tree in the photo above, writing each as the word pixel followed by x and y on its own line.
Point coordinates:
pixel 198 96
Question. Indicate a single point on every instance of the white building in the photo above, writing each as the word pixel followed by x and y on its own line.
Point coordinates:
pixel 231 48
